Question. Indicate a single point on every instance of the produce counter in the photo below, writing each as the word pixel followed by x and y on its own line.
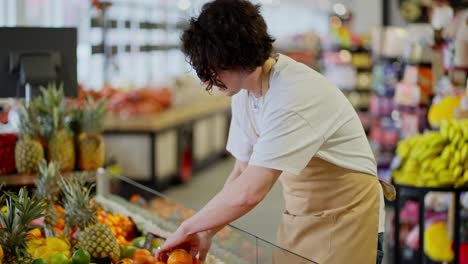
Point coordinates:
pixel 170 118
pixel 153 212
pixel 112 220
pixel 167 147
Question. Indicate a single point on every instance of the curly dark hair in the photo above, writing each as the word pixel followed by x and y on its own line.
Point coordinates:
pixel 227 35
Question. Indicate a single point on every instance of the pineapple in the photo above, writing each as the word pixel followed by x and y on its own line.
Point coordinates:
pixel 28 151
pixel 89 141
pixel 21 210
pixel 53 114
pixel 47 189
pixel 94 237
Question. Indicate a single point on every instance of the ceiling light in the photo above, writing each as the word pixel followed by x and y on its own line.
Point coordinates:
pixel 184 4
pixel 339 9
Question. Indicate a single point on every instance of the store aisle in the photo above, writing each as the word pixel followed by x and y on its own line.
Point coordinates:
pixel 263 221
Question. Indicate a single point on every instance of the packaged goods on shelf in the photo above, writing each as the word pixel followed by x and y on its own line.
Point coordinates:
pixel 140 101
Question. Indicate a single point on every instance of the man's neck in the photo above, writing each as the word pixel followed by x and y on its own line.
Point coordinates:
pixel 253 82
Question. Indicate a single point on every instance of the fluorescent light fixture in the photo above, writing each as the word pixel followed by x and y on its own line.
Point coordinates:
pixel 339 9
pixel 184 4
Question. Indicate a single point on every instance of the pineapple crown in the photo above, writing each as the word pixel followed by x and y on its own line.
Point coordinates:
pixel 52 109
pixel 89 119
pixel 76 201
pixel 28 120
pixel 2 195
pixel 47 184
pixel 21 210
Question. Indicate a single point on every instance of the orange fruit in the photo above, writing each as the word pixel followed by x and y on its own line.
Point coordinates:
pixel 35 232
pixel 126 261
pixel 179 256
pixel 141 255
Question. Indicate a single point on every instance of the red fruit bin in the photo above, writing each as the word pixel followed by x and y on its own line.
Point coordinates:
pixel 7 153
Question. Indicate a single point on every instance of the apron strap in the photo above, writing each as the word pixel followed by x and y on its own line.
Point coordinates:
pixel 389 190
pixel 266 70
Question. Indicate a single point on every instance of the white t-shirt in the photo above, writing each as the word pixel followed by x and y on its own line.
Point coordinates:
pixel 305 116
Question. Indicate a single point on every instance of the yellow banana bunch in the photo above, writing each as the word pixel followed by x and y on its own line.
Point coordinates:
pixel 438 165
pixel 435 158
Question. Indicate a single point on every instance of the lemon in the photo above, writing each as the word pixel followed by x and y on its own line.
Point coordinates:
pixel 57 244
pixel 1 254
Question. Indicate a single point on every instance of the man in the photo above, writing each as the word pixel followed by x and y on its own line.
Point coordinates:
pixel 288 123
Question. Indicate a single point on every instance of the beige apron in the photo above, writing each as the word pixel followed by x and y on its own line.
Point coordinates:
pixel 332 213
pixel 331 216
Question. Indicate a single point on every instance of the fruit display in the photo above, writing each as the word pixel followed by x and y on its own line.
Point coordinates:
pixel 53 112
pixel 29 150
pixel 435 158
pixel 89 126
pixel 80 213
pixel 47 189
pixel 141 101
pixel 66 221
pixel 7 153
pixel 167 209
pixel 122 227
pixel 21 210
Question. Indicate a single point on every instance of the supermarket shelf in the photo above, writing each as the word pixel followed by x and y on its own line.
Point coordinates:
pixel 417 63
pixel 28 179
pixel 170 118
pixel 114 23
pixel 415 189
pixel 456 69
pixel 98 49
pixel 337 48
pixel 17 179
pixel 405 191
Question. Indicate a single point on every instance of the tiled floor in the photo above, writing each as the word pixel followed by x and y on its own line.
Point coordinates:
pixel 262 221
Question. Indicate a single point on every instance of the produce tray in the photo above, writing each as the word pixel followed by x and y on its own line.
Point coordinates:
pixel 145 220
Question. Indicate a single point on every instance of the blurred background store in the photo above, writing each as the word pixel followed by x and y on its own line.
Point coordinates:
pixel 403 64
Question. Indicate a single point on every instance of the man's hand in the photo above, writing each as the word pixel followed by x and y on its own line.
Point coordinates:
pixel 197 244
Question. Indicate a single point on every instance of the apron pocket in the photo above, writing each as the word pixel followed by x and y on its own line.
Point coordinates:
pixel 307 235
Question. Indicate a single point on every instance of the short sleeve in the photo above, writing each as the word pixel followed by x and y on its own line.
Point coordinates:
pixel 287 143
pixel 238 144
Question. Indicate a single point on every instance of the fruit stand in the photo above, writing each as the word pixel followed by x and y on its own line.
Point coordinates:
pixel 419 194
pixel 70 219
pixel 159 214
pixel 430 165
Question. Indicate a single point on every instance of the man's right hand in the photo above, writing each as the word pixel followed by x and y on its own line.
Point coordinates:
pixel 197 245
pixel 205 239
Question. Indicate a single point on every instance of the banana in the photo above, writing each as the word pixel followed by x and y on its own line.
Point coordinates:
pixel 457 138
pixel 457 171
pixel 446 176
pixel 461 143
pixel 426 165
pixel 465 132
pixel 456 157
pixel 438 165
pixel 460 183
pixel 428 175
pixel 451 133
pixel 444 129
pixel 465 175
pixel 464 153
pixel 445 154
pixel 445 181
pixel 433 183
